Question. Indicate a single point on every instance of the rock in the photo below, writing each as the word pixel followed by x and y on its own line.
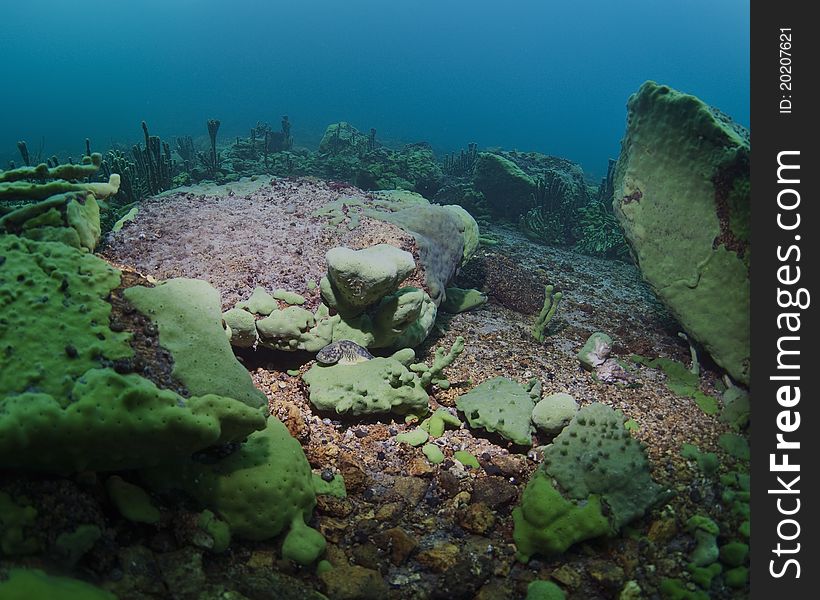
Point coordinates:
pixel 410 489
pixel 494 491
pixel 606 573
pixel 441 557
pixel 352 582
pixel 553 413
pixel 182 572
pixel 397 542
pixel 507 189
pixel 595 351
pixel 682 196
pixel 477 518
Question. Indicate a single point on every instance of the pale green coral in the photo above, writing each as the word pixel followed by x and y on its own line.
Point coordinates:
pixel 682 198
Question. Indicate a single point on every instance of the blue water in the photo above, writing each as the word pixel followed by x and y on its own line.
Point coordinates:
pixel 551 76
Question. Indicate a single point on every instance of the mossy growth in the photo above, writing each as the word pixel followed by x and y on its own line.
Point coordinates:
pixel 735 445
pixel 131 501
pixel 681 381
pixel 16 521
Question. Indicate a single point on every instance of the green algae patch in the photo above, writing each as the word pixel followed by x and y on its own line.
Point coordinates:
pixel 500 405
pixel 188 315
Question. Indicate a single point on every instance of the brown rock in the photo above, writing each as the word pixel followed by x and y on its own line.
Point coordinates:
pixel 607 573
pixel 662 530
pixel 440 557
pixel 355 477
pixel 477 518
pixel 353 582
pixel 494 491
pixel 409 489
pixel 334 507
pixel 333 529
pixel 389 511
pixel 419 467
pixel 397 542
pixel 368 555
pixel 507 464
pixel 497 589
pixel 567 575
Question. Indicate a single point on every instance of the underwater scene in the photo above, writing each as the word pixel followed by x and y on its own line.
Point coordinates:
pixel 368 300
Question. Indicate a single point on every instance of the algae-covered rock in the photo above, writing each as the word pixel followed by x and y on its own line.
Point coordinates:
pixel 595 351
pixel 373 386
pixel 458 300
pixel 241 326
pixel 507 189
pixel 500 405
pixel 262 489
pixel 61 408
pixel 682 196
pixel 16 518
pixel 131 500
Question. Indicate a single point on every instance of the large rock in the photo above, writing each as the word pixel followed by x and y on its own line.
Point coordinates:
pixel 507 189
pixel 682 196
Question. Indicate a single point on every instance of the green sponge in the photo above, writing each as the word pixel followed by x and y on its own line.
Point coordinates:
pixel 33 584
pixel 188 314
pixel 262 489
pixel 372 386
pixel 131 500
pixel 548 524
pixel 500 405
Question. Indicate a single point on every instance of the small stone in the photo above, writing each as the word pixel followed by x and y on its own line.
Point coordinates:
pixel 477 518
pixel 440 557
pixel 606 573
pixel 494 491
pixel 662 530
pixel 397 542
pixel 410 489
pixel 353 582
pixel 389 511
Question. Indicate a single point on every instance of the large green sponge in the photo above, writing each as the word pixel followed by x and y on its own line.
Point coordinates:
pixel 261 490
pixel 116 422
pixel 189 318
